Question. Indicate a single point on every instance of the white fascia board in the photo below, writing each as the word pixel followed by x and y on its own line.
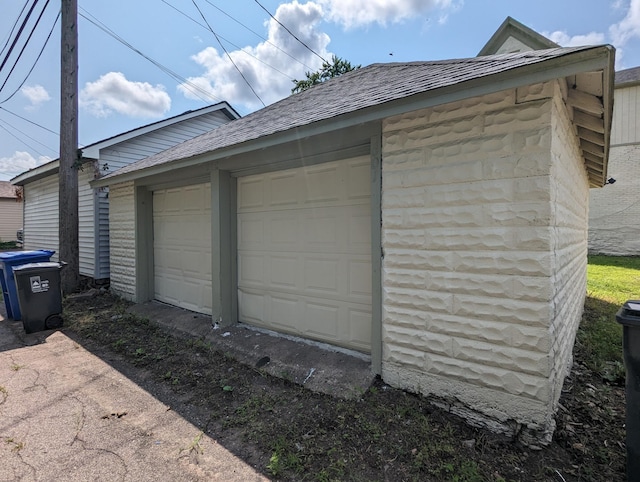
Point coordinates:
pixel 93 150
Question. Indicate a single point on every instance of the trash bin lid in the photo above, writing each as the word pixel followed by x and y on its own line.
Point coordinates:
pixel 629 314
pixel 13 256
pixel 42 266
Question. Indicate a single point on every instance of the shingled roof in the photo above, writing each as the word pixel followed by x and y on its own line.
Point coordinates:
pixel 628 76
pixel 360 94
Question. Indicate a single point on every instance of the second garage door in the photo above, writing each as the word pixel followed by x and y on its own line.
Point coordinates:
pixel 304 252
pixel 182 247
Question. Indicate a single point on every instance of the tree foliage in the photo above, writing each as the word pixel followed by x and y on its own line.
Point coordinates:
pixel 329 70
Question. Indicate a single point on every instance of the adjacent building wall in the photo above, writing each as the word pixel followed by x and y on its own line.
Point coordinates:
pixel 10 218
pixel 614 227
pixel 476 270
pixel 41 215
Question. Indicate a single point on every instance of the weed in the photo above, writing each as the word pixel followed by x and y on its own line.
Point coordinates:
pixel 194 446
pixel 17 446
pixel 4 393
pixel 284 459
pixel 15 367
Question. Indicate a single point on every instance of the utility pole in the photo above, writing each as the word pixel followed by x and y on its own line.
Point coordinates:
pixel 69 159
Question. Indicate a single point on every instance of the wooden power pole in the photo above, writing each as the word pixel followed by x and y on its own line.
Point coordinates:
pixel 69 159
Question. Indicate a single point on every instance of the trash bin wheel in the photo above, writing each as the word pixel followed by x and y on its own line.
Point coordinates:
pixel 53 321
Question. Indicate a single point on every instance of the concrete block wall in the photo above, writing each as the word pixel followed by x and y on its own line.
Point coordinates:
pixel 569 225
pixel 469 233
pixel 122 224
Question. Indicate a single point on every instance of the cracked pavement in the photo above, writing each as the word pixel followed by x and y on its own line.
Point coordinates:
pixel 67 415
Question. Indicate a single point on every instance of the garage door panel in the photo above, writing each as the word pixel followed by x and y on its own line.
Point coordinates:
pixel 284 271
pixel 182 247
pixel 304 262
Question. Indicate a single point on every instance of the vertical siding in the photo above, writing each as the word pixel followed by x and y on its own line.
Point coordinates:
pixel 41 215
pixel 625 127
pixel 615 209
pixel 10 218
pixel 123 252
pixel 86 225
pixel 467 269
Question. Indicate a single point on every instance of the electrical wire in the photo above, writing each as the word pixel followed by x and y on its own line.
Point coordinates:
pixel 229 56
pixel 29 121
pixel 23 142
pixel 15 24
pixel 195 89
pixel 17 37
pixel 24 47
pixel 35 62
pixel 266 40
pixel 228 41
pixel 292 34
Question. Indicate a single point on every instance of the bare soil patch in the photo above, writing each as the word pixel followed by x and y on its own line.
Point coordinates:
pixel 290 433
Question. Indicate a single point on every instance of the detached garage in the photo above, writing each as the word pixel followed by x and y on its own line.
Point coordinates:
pixel 431 215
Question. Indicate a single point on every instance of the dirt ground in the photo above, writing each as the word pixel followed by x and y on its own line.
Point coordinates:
pixel 291 433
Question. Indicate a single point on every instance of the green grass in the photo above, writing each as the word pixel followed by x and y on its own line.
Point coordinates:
pixel 610 282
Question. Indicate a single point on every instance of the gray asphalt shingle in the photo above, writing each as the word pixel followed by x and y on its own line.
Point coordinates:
pixel 360 89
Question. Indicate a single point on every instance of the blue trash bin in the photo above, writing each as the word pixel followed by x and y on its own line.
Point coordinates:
pixel 8 260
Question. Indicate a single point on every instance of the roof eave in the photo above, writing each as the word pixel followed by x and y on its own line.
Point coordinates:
pixel 592 59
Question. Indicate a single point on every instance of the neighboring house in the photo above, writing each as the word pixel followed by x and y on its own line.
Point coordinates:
pixel 10 211
pixel 41 184
pixel 614 217
pixel 430 214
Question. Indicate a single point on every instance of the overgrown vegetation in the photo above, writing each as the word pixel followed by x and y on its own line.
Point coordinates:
pixel 291 433
pixel 5 245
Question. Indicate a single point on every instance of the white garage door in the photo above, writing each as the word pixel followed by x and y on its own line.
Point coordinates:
pixel 182 247
pixel 304 252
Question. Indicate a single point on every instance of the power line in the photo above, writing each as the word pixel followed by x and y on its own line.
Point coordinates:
pixel 20 140
pixel 232 44
pixel 29 121
pixel 229 56
pixel 256 34
pixel 292 34
pixel 15 24
pixel 37 58
pixel 194 88
pixel 17 37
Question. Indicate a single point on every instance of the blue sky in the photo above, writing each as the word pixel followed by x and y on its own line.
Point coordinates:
pixel 121 89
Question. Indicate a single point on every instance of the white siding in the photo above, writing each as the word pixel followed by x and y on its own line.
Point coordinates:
pixel 472 216
pixel 10 218
pixel 615 209
pixel 41 215
pixel 126 152
pixel 86 224
pixel 123 240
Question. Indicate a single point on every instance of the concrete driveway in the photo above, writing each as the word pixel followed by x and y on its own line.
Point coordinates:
pixel 67 415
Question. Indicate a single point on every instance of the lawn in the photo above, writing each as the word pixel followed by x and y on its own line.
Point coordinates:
pixel 290 433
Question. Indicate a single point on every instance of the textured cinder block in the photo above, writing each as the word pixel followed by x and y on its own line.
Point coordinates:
pixel 484 255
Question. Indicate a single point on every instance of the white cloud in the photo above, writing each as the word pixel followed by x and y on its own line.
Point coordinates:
pixel 222 81
pixel 358 13
pixel 627 28
pixel 565 40
pixel 19 162
pixel 112 92
pixel 36 94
